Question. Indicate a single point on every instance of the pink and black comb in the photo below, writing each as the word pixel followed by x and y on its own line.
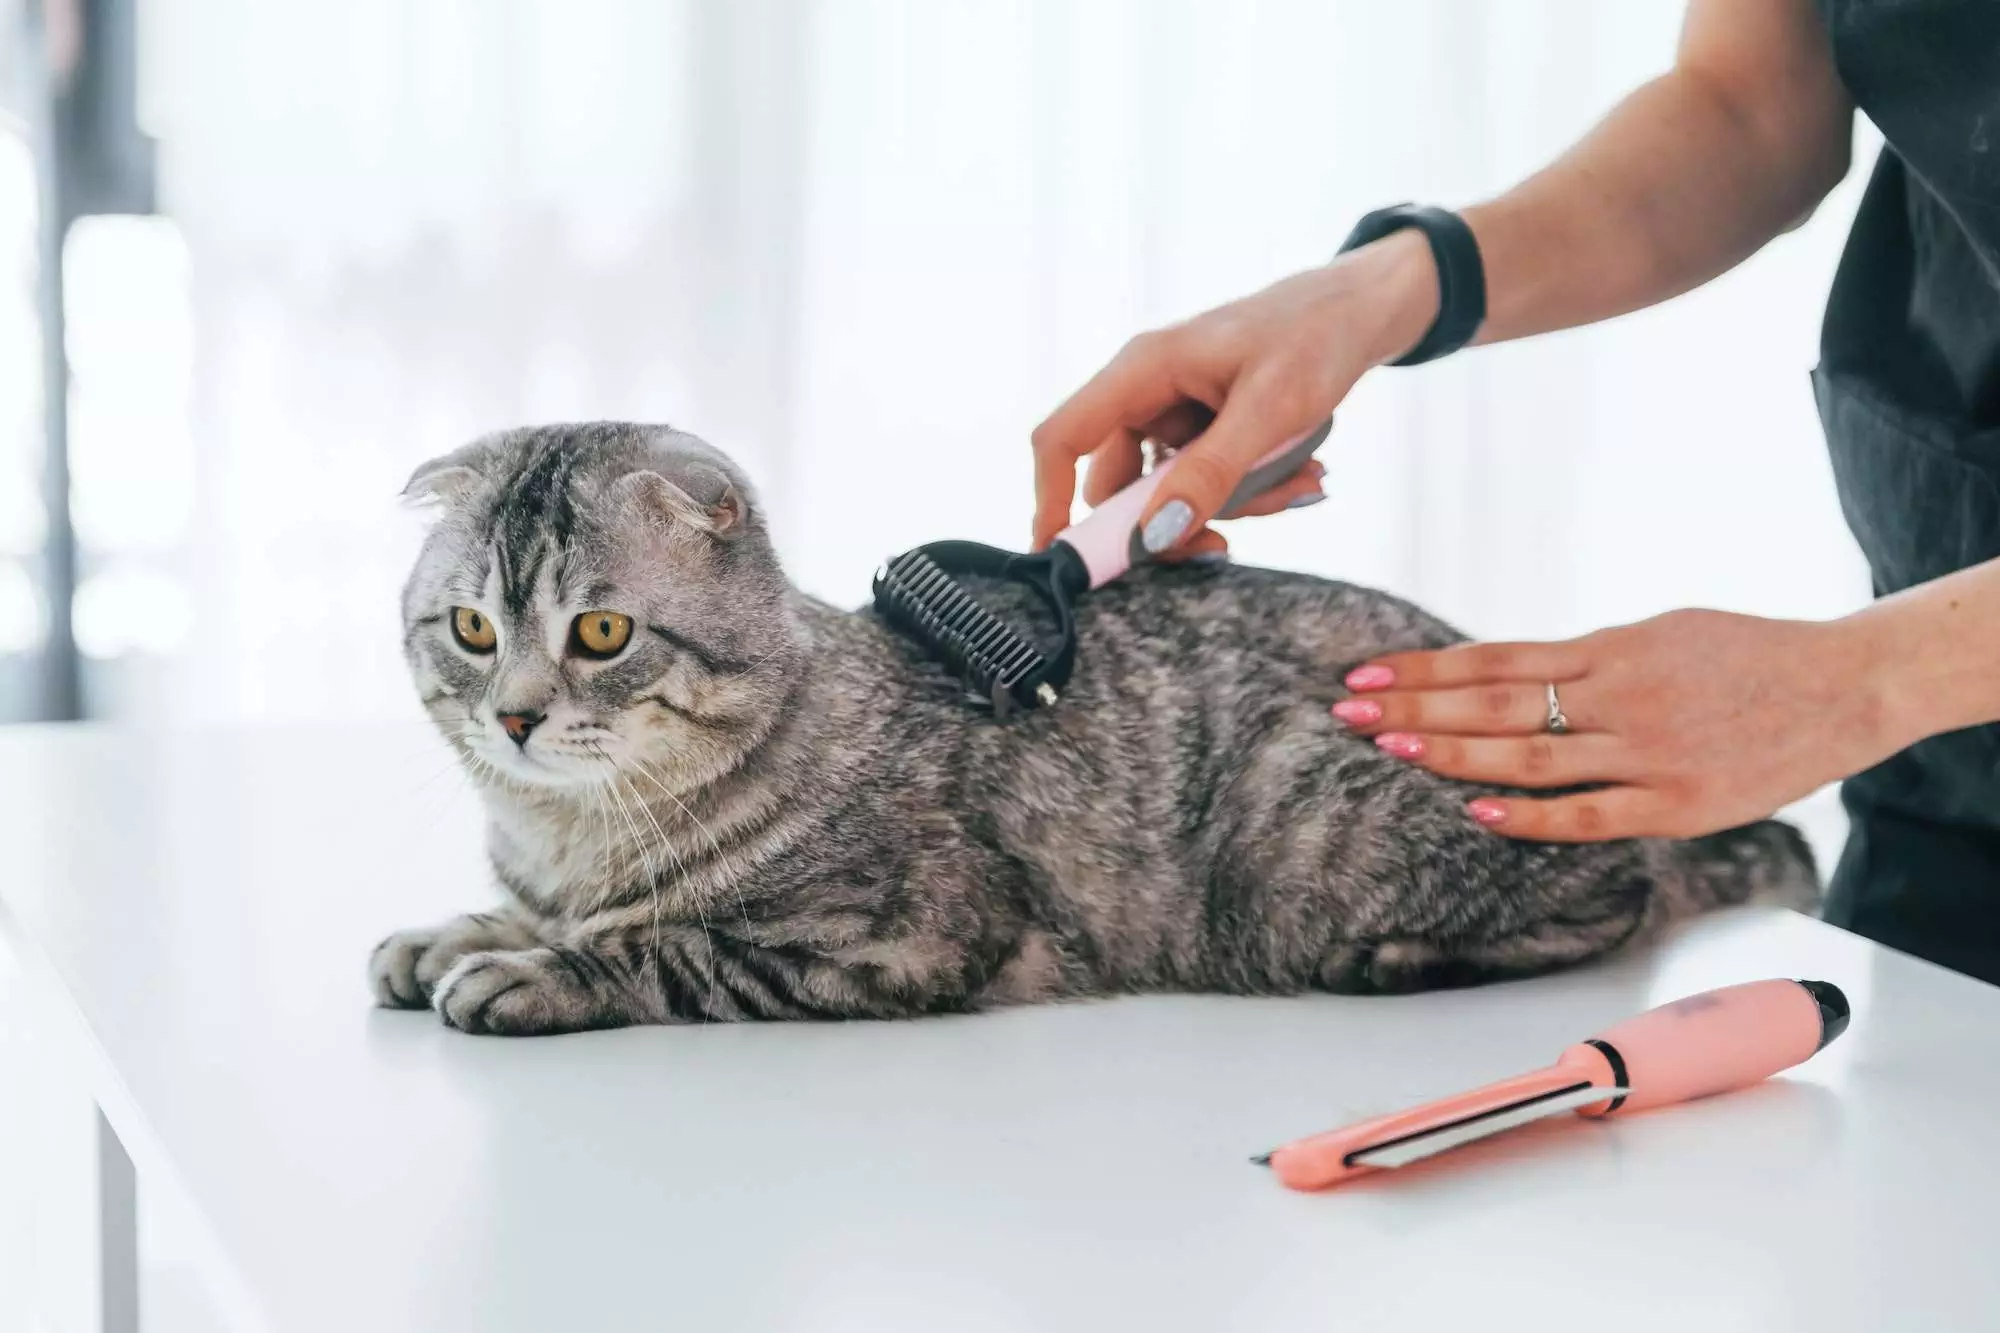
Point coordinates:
pixel 1000 665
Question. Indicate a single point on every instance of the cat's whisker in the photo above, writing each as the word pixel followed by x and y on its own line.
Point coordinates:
pixel 613 860
pixel 742 907
pixel 459 747
pixel 486 769
pixel 652 879
pixel 667 846
pixel 638 839
pixel 423 801
pixel 428 784
pixel 591 802
pixel 693 890
pixel 746 671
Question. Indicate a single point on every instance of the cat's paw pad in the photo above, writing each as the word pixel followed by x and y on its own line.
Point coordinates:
pixel 514 993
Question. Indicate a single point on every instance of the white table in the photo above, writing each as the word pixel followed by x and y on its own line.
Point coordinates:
pixel 200 906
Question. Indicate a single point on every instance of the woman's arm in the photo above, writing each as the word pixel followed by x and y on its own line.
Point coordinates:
pixel 1696 721
pixel 1683 179
pixel 1935 654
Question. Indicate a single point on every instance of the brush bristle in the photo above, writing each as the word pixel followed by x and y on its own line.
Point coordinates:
pixel 984 651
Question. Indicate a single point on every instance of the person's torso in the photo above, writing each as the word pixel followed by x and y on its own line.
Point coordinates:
pixel 1909 378
pixel 1917 305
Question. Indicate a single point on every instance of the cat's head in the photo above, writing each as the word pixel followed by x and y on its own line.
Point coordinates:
pixel 596 600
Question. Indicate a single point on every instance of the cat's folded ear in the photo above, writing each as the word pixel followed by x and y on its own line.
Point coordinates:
pixel 703 498
pixel 442 481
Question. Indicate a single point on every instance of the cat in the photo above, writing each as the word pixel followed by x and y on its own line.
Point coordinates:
pixel 712 797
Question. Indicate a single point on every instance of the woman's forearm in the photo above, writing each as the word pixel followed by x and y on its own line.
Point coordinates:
pixel 1931 656
pixel 1676 186
pixel 1684 179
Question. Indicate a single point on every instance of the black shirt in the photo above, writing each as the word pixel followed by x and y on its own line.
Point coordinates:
pixel 1917 303
pixel 1908 388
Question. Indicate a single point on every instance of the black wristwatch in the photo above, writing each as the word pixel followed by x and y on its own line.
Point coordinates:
pixel 1461 275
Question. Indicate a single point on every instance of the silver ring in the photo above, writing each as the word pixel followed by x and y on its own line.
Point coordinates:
pixel 1558 720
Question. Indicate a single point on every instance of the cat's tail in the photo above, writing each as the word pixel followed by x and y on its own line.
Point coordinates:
pixel 1766 862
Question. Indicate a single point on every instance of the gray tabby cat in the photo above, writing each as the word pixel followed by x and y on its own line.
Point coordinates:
pixel 711 797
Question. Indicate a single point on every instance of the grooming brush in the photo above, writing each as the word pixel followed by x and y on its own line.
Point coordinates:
pixel 1001 667
pixel 1716 1041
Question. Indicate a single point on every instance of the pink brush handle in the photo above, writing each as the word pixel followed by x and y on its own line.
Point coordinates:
pixel 1717 1041
pixel 1107 537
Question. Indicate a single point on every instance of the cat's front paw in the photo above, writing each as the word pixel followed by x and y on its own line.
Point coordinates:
pixel 520 993
pixel 405 969
pixel 393 969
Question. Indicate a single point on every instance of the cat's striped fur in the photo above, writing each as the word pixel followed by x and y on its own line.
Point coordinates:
pixel 769 808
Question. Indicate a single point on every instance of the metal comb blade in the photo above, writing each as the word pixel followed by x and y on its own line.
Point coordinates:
pixel 1428 1143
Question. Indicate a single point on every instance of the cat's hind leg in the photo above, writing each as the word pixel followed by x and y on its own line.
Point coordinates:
pixel 1394 966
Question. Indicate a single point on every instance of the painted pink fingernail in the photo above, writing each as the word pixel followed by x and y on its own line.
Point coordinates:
pixel 1358 712
pixel 1401 744
pixel 1370 678
pixel 1488 813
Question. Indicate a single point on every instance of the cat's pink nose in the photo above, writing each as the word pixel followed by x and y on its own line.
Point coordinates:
pixel 518 725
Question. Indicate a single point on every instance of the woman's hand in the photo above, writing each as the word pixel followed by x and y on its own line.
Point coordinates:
pixel 1226 388
pixel 1695 721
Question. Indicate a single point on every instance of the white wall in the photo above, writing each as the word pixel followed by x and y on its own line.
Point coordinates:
pixel 866 246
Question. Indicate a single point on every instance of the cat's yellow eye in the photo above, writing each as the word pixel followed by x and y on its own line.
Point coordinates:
pixel 600 633
pixel 473 630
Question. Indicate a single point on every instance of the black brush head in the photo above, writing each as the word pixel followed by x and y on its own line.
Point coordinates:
pixel 1001 667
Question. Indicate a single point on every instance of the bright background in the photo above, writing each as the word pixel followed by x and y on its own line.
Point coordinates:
pixel 864 247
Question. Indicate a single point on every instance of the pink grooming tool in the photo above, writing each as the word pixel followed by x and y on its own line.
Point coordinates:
pixel 1108 538
pixel 1716 1041
pixel 1000 666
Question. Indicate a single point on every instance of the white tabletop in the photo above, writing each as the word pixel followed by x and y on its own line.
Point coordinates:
pixel 207 902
